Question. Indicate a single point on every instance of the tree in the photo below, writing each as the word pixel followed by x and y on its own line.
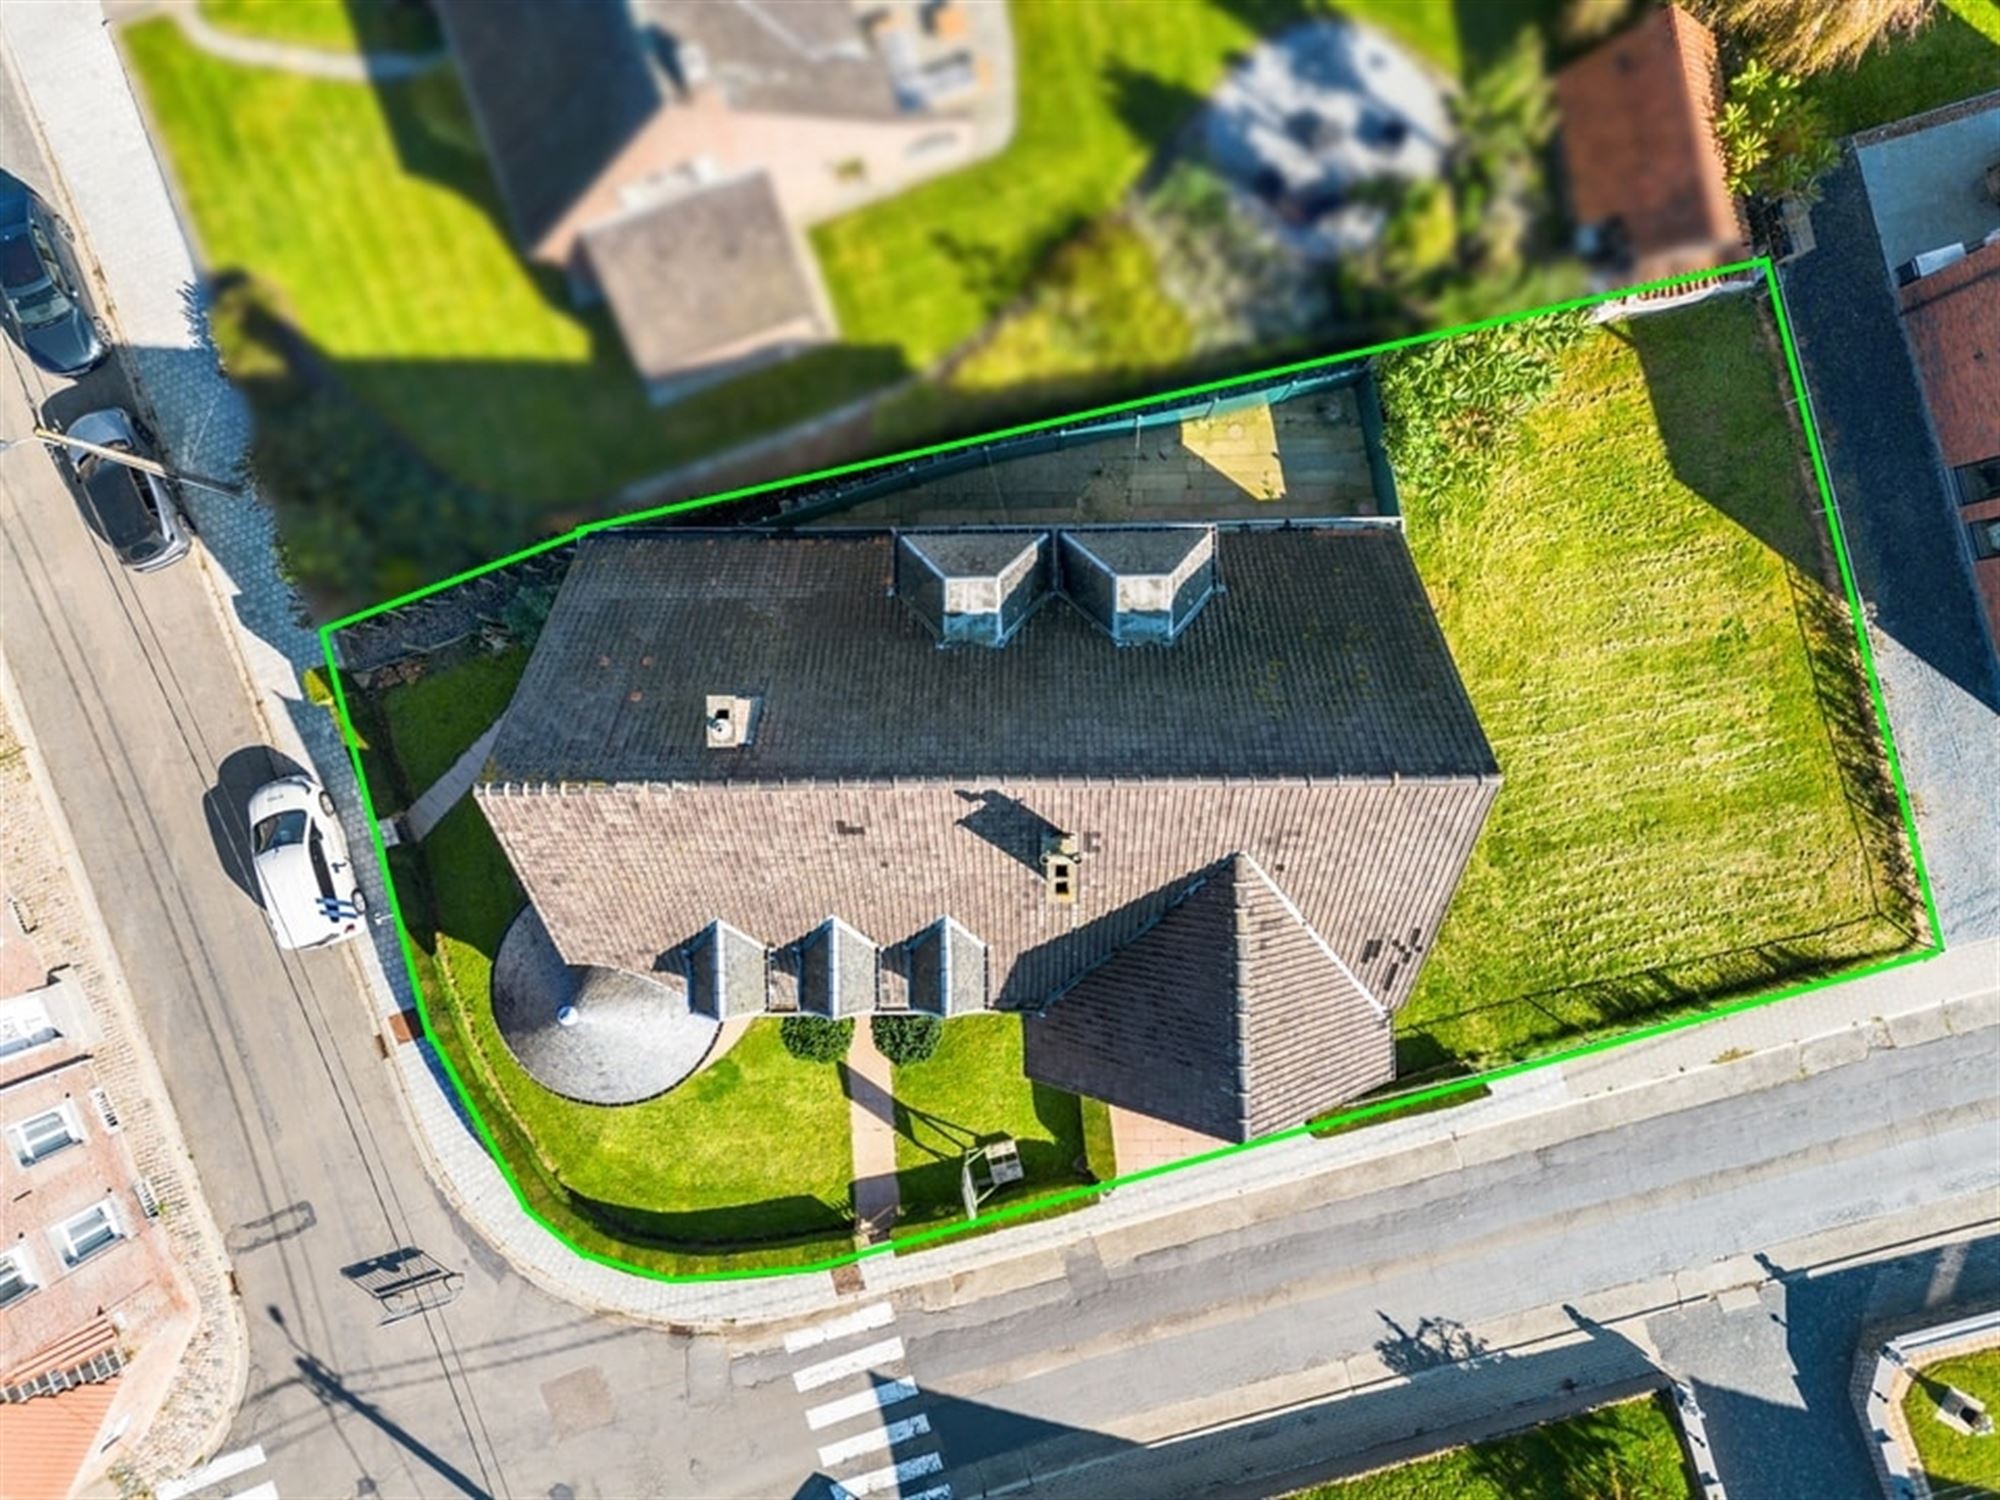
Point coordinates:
pixel 1505 116
pixel 815 1038
pixel 906 1038
pixel 1773 138
pixel 1811 36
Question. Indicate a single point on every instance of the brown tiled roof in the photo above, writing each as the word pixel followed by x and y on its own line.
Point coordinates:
pixel 1229 1016
pixel 713 269
pixel 1308 725
pixel 1638 143
pixel 47 1440
pixel 1321 658
pixel 1953 320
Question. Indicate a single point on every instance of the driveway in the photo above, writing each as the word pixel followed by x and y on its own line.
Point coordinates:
pixel 1939 676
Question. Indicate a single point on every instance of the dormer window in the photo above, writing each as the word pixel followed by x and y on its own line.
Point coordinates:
pixel 972 588
pixel 1141 584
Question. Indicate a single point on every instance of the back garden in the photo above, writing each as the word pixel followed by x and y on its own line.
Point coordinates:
pixel 1630 565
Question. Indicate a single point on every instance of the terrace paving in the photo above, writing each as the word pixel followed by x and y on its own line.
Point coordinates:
pixel 1300 459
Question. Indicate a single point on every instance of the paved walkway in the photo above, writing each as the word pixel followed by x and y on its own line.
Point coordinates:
pixel 311 62
pixel 871 1113
pixel 443 794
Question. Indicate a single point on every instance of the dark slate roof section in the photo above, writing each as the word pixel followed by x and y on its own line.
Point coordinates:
pixel 707 270
pixel 1228 1015
pixel 1322 659
pixel 557 88
pixel 728 973
pixel 777 58
pixel 838 971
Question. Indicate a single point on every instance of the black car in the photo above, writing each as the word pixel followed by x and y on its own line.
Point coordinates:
pixel 43 296
pixel 134 511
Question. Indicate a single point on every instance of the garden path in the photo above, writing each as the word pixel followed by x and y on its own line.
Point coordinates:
pixel 312 62
pixel 872 1119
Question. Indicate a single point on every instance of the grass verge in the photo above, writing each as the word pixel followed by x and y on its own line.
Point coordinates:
pixel 1954 57
pixel 1630 1451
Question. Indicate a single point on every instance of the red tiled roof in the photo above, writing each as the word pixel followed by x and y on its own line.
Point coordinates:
pixel 1953 320
pixel 47 1440
pixel 1638 143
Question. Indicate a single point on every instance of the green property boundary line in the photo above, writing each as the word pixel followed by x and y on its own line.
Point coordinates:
pixel 1761 265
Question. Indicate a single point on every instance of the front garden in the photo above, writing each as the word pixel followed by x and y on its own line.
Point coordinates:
pixel 1955 1463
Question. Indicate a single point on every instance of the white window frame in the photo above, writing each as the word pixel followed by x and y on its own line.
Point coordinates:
pixel 18 1260
pixel 65 1112
pixel 64 1234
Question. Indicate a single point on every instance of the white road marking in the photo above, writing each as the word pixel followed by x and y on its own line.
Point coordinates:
pixel 872 1399
pixel 894 1477
pixel 868 1442
pixel 880 1315
pixel 228 1466
pixel 812 1377
pixel 264 1491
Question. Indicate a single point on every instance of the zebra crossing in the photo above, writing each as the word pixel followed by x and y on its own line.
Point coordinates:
pixel 208 1479
pixel 877 1438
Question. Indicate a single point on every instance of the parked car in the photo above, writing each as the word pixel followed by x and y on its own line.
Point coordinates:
pixel 45 297
pixel 134 511
pixel 311 894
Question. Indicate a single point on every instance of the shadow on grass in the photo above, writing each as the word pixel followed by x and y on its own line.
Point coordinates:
pixel 366 462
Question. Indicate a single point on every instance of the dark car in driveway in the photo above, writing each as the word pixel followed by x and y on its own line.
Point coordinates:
pixel 134 511
pixel 44 298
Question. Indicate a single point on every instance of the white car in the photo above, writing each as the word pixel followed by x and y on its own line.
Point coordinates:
pixel 310 890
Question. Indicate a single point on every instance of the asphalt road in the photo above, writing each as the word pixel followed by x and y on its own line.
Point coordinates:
pixel 151 736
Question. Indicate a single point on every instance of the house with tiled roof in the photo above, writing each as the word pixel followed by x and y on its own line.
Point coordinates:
pixel 668 154
pixel 1644 176
pixel 1192 799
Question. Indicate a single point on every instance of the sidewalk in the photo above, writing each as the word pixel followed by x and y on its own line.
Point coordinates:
pixel 116 195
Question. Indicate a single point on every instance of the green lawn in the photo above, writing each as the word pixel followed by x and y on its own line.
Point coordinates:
pixel 1626 1452
pixel 968 1091
pixel 368 218
pixel 335 25
pixel 435 719
pixel 425 399
pixel 1691 805
pixel 1957 55
pixel 1958 1467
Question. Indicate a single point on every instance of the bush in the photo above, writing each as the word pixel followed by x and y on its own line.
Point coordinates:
pixel 1773 139
pixel 906 1039
pixel 1450 407
pixel 815 1038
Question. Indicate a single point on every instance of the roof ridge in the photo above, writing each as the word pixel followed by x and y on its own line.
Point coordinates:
pixel 1292 911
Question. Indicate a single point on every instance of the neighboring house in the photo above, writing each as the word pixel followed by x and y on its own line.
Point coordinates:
pixel 1952 318
pixel 1193 798
pixel 1646 181
pixel 668 153
pixel 93 1312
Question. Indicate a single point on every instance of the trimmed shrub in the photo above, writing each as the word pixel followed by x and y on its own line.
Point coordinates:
pixel 906 1039
pixel 815 1038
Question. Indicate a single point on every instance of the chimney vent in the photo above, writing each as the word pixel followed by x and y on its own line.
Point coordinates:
pixel 731 720
pixel 1059 868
